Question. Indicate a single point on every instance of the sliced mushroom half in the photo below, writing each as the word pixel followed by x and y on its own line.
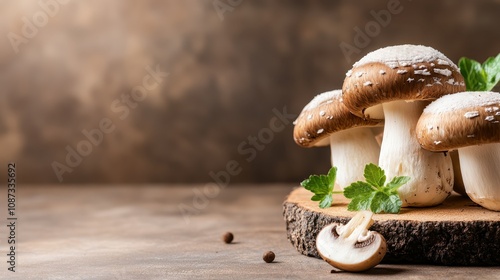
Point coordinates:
pixel 352 247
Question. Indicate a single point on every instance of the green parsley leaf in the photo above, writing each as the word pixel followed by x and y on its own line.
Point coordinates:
pixel 358 189
pixel 361 195
pixel 326 201
pixel 322 187
pixel 480 77
pixel 473 74
pixel 383 202
pixel 374 175
pixel 373 194
pixel 492 68
pixel 397 182
pixel 317 197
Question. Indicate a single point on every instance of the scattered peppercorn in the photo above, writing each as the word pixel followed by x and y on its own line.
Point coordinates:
pixel 227 237
pixel 268 257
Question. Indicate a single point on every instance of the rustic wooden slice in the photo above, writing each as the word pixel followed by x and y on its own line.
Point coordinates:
pixel 457 232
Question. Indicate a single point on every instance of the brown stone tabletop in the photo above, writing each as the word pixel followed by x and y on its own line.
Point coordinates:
pixel 140 232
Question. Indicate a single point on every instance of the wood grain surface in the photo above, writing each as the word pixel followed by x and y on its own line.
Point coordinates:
pixel 455 208
pixel 456 232
pixel 138 232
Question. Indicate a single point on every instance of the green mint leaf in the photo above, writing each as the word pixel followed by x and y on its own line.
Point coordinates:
pixel 492 69
pixel 326 201
pixel 373 194
pixel 397 182
pixel 322 187
pixel 480 77
pixel 374 175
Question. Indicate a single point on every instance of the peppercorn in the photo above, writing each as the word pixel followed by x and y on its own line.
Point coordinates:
pixel 268 257
pixel 227 237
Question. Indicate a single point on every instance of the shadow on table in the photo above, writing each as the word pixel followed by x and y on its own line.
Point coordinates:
pixel 377 271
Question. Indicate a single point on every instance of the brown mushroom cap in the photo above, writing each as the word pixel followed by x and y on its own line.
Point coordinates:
pixel 404 72
pixel 460 120
pixel 324 115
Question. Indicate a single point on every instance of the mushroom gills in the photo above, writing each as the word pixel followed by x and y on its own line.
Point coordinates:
pixel 352 247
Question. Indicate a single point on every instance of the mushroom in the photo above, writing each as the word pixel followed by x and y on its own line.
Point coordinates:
pixel 352 247
pixel 401 79
pixel 469 122
pixel 458 182
pixel 326 121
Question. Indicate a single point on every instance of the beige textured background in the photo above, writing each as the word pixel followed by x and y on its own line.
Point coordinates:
pixel 225 77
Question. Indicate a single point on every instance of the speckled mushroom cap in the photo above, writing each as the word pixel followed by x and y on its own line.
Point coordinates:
pixel 404 72
pixel 324 115
pixel 459 120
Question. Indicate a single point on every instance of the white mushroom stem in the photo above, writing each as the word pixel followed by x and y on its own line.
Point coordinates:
pixel 480 167
pixel 357 228
pixel 401 155
pixel 351 150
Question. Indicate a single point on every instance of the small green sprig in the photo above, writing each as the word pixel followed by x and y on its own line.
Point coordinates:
pixel 322 187
pixel 480 77
pixel 374 194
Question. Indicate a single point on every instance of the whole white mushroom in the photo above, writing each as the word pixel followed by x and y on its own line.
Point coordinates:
pixel 326 121
pixel 470 123
pixel 402 79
